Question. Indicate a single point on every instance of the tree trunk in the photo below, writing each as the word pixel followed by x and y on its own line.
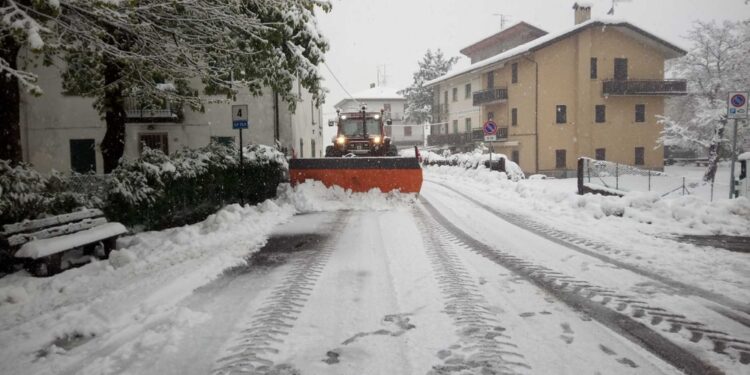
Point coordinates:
pixel 113 144
pixel 10 97
pixel 714 152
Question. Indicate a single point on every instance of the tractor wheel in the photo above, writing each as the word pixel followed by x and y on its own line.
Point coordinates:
pixel 332 152
pixel 391 151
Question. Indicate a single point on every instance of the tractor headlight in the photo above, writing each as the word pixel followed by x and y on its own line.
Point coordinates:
pixel 377 117
pixel 341 140
pixel 343 117
pixel 376 140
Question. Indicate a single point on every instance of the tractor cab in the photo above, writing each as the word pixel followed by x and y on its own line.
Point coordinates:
pixel 360 133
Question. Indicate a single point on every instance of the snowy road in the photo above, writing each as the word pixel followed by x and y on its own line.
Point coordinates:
pixel 439 285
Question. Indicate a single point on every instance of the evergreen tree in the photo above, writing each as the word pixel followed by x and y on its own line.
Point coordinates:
pixel 714 66
pixel 418 97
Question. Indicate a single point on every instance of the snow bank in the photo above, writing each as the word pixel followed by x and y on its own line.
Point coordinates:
pixel 644 211
pixel 313 196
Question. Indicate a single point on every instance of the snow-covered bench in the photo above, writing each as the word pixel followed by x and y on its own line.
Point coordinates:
pixel 41 243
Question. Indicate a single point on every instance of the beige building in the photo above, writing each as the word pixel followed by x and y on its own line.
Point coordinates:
pixel 394 105
pixel 592 90
pixel 63 132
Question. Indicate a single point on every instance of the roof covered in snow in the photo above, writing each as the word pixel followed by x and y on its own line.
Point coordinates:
pixel 516 29
pixel 375 93
pixel 670 50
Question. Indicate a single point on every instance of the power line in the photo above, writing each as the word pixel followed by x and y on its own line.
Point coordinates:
pixel 339 82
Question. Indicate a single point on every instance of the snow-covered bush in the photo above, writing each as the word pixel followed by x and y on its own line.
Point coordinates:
pixel 158 190
pixel 26 194
pixel 473 160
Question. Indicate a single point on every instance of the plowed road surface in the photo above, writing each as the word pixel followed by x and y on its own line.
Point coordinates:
pixel 446 286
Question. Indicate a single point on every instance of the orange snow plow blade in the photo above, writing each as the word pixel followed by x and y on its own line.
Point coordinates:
pixel 360 174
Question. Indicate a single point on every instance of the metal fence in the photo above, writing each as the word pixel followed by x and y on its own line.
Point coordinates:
pixel 617 179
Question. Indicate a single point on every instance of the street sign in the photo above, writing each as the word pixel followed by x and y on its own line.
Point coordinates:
pixel 490 138
pixel 737 105
pixel 239 116
pixel 489 128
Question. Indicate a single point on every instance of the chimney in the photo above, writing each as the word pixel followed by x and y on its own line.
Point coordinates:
pixel 582 12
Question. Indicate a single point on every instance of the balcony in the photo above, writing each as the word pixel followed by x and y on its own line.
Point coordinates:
pixel 490 96
pixel 643 87
pixel 136 112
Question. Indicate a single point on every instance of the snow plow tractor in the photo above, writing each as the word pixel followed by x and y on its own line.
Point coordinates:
pixel 362 158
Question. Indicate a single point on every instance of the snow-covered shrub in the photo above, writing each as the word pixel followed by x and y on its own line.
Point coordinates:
pixel 473 160
pixel 158 190
pixel 26 194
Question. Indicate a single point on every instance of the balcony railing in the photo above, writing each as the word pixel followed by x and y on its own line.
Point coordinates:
pixel 490 96
pixel 642 87
pixel 478 134
pixel 136 113
pixel 455 139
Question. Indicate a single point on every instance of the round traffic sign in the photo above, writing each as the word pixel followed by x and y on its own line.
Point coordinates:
pixel 738 100
pixel 490 128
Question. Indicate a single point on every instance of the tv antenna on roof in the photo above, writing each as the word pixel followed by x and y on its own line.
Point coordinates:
pixel 612 10
pixel 504 19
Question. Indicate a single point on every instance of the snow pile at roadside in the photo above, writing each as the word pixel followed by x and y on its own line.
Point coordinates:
pixel 647 212
pixel 313 196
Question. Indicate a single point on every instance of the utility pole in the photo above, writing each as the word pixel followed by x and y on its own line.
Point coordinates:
pixel 734 160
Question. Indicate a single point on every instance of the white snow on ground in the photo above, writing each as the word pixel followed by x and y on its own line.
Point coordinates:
pixel 638 226
pixel 148 276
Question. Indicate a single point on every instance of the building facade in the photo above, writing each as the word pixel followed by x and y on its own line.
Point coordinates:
pixel 393 104
pixel 64 132
pixel 592 90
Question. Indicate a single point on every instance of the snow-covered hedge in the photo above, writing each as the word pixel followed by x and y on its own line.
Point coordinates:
pixel 472 160
pixel 159 191
pixel 27 194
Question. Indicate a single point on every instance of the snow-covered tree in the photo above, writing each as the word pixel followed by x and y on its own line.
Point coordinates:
pixel 714 66
pixel 418 97
pixel 119 49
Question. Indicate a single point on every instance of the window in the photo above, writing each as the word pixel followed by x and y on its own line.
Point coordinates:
pixel 621 69
pixel 225 141
pixel 601 154
pixel 640 113
pixel 83 155
pixel 514 117
pixel 514 73
pixel 490 116
pixel 502 133
pixel 467 125
pixel 601 113
pixel 515 156
pixel 455 126
pixel 639 159
pixel 490 80
pixel 445 97
pixel 154 141
pixel 560 159
pixel 301 148
pixel 467 91
pixel 593 68
pixel 561 114
pixel 312 148
pixel 387 107
pixel 455 94
pixel 407 131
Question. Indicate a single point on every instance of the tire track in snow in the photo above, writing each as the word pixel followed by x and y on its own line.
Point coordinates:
pixel 623 314
pixel 483 347
pixel 251 349
pixel 594 249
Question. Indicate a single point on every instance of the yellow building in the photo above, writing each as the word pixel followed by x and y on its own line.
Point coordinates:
pixel 592 90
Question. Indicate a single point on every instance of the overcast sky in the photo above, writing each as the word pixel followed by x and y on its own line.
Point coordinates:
pixel 366 35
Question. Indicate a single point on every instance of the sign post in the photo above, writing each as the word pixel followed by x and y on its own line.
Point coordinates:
pixel 240 121
pixel 490 135
pixel 736 109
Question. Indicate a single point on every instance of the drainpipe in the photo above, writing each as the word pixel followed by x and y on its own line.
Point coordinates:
pixel 536 112
pixel 276 134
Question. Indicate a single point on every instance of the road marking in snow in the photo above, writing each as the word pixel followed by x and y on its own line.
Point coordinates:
pixel 480 331
pixel 594 249
pixel 254 345
pixel 619 312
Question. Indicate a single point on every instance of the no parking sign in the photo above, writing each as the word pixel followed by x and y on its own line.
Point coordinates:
pixel 737 105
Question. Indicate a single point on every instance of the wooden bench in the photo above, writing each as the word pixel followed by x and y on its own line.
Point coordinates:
pixel 40 244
